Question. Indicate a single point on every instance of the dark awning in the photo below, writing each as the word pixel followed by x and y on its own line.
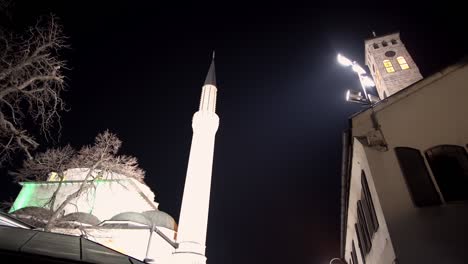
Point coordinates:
pixel 21 243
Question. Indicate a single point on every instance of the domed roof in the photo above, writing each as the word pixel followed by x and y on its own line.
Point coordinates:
pixel 39 212
pixel 133 217
pixel 81 217
pixel 153 217
pixel 33 215
pixel 162 219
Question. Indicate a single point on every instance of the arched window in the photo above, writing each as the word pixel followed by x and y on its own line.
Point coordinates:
pixel 420 184
pixel 403 63
pixel 394 41
pixel 384 43
pixel 376 46
pixel 449 164
pixel 388 66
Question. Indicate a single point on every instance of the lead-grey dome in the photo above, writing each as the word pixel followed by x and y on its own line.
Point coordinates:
pixel 161 219
pixel 39 212
pixel 81 217
pixel 148 218
pixel 33 215
pixel 133 217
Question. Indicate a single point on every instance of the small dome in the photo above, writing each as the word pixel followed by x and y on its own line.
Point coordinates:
pixel 133 217
pixel 39 212
pixel 161 219
pixel 81 217
pixel 33 215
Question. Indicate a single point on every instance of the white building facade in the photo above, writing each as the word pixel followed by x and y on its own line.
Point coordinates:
pixel 405 166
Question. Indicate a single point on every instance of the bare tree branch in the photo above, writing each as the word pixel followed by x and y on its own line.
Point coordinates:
pixel 99 159
pixel 31 85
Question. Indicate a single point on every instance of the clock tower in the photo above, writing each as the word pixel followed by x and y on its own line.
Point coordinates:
pixel 390 64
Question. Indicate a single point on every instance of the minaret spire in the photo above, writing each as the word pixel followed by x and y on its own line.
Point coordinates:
pixel 193 220
pixel 211 75
pixel 209 90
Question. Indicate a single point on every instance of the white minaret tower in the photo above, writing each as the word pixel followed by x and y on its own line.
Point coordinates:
pixel 193 220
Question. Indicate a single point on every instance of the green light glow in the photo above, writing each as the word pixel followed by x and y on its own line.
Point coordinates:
pixel 28 195
pixel 24 197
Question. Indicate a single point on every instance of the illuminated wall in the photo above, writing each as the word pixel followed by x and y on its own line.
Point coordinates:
pixel 193 221
pixel 430 113
pixel 112 195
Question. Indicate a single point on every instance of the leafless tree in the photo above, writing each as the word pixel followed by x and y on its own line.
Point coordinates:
pixel 31 85
pixel 100 158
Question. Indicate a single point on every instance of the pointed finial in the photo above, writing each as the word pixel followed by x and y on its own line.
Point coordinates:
pixel 213 55
pixel 211 76
pixel 373 33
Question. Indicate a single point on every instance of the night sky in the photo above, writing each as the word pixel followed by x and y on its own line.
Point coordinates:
pixel 137 69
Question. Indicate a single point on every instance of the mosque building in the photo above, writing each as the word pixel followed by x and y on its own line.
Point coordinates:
pixel 120 212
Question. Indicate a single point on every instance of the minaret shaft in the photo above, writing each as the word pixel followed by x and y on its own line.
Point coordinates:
pixel 208 98
pixel 194 213
pixel 193 220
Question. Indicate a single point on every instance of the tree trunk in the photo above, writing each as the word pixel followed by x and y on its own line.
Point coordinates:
pixel 85 185
pixel 55 216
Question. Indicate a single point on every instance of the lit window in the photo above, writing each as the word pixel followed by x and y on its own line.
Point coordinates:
pixel 403 63
pixel 388 66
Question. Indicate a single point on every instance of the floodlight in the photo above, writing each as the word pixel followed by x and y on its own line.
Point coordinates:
pixel 373 99
pixel 367 81
pixel 355 97
pixel 343 60
pixel 358 69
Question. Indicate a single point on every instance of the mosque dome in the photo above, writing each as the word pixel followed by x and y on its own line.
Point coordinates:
pixel 39 212
pixel 33 215
pixel 161 219
pixel 133 217
pixel 148 218
pixel 81 217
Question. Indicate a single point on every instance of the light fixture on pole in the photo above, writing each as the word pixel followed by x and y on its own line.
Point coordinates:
pixel 367 81
pixel 356 97
pixel 373 99
pixel 364 80
pixel 344 61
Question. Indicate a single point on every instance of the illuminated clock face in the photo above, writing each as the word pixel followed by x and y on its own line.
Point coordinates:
pixel 390 53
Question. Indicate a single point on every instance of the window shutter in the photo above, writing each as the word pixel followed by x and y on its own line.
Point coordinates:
pixel 417 178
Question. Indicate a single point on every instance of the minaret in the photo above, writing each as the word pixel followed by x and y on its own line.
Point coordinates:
pixel 390 64
pixel 193 219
